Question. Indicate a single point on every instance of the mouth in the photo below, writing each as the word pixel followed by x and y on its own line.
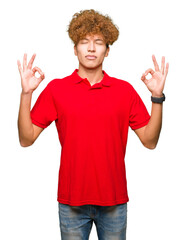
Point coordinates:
pixel 91 57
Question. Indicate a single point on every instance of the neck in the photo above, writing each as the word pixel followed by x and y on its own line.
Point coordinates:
pixel 93 75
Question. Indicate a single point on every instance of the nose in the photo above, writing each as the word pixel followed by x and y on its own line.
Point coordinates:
pixel 91 47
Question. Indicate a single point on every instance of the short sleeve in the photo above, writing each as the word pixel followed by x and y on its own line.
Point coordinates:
pixel 139 116
pixel 44 110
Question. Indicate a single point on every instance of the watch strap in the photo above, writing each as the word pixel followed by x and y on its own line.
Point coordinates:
pixel 158 100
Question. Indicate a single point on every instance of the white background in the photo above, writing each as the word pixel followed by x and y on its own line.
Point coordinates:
pixel 29 176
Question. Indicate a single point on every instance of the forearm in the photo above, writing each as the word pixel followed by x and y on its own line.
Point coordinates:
pixel 153 128
pixel 25 127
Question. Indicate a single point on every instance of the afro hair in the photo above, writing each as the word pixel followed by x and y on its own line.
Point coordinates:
pixel 92 22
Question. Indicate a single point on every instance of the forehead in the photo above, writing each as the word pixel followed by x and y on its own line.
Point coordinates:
pixel 94 36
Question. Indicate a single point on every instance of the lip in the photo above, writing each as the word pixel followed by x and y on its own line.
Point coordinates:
pixel 91 57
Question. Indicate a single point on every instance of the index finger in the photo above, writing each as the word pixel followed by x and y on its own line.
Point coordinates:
pixel 155 63
pixel 31 61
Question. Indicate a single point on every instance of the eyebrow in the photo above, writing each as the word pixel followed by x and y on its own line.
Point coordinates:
pixel 97 39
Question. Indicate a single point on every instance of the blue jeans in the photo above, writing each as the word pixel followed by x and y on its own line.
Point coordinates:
pixel 76 221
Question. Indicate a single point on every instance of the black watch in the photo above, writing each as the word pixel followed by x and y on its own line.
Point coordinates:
pixel 158 100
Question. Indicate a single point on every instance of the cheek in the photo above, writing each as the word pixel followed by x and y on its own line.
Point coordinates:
pixel 79 55
pixel 81 52
pixel 102 51
pixel 102 55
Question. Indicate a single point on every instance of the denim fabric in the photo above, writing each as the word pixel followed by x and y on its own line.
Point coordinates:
pixel 76 221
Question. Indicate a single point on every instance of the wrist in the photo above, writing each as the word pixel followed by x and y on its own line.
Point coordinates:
pixel 23 93
pixel 158 99
pixel 157 95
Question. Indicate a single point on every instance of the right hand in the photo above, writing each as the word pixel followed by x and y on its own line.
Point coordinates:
pixel 29 82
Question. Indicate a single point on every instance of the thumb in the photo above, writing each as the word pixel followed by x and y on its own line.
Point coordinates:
pixel 42 77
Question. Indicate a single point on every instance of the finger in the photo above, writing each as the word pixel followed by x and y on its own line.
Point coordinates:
pixel 150 70
pixel 166 69
pixel 143 78
pixel 24 62
pixel 31 61
pixel 162 65
pixel 41 77
pixel 19 67
pixel 36 69
pixel 155 63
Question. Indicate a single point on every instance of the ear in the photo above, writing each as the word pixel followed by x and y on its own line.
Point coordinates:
pixel 75 50
pixel 107 51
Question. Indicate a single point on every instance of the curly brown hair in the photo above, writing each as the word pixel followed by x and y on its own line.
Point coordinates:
pixel 92 22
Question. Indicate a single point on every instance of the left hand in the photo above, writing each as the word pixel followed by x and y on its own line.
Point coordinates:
pixel 157 82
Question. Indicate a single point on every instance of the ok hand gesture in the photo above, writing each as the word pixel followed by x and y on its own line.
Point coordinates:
pixel 29 82
pixel 157 82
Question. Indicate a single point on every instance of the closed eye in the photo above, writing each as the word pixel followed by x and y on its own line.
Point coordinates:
pixel 84 41
pixel 98 41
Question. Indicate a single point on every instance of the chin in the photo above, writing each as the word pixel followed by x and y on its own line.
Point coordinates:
pixel 91 66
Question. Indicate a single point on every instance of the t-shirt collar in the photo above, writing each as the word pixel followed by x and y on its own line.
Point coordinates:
pixel 105 80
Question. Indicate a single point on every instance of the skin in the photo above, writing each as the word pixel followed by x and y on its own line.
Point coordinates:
pixel 92 70
pixel 149 134
pixel 91 45
pixel 28 132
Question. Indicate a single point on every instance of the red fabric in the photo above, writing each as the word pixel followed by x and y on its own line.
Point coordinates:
pixel 92 124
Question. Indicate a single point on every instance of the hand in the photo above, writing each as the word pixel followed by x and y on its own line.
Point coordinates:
pixel 157 82
pixel 29 82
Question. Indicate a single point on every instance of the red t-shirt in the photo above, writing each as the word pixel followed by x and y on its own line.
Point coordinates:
pixel 92 124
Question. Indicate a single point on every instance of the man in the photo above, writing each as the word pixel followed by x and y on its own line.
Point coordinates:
pixel 92 112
